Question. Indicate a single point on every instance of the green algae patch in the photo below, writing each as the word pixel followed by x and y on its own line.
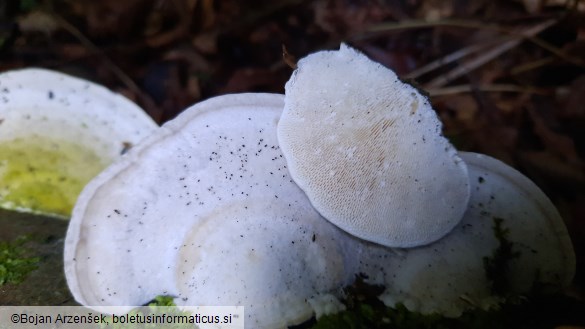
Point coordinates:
pixel 45 175
pixel 13 265
pixel 497 266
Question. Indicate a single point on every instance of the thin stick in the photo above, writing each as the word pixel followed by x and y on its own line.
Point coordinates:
pixel 471 65
pixel 532 65
pixel 412 24
pixel 151 108
pixel 447 59
pixel 486 88
pixel 123 77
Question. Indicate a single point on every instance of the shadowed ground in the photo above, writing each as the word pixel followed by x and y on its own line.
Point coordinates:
pixel 45 285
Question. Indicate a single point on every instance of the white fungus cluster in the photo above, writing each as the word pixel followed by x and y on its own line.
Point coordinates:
pixel 206 210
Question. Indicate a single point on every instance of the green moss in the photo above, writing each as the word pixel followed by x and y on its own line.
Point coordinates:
pixel 365 316
pixel 14 266
pixel 497 266
pixel 364 310
pixel 162 301
pixel 45 175
pixel 534 311
pixel 158 306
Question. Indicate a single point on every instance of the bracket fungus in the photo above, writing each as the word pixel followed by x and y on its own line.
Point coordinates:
pixel 205 210
pixel 456 273
pixel 367 150
pixel 56 133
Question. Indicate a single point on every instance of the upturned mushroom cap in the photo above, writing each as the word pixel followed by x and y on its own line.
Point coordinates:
pixel 56 133
pixel 205 210
pixel 449 276
pixel 367 150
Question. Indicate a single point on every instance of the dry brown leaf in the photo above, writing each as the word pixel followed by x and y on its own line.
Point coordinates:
pixel 337 17
pixel 464 106
pixel 208 15
pixel 553 169
pixel 183 10
pixel 536 6
pixel 573 100
pixel 434 10
pixel 247 79
pixel 38 21
pixel 206 42
pixel 555 143
pixel 114 17
pixel 196 62
pixel 510 104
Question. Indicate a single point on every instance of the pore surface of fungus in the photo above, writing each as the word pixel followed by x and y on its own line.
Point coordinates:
pixel 56 133
pixel 367 149
pixel 205 211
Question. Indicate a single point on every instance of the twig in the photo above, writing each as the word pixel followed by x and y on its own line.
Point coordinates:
pixel 471 65
pixel 125 79
pixel 532 65
pixel 412 24
pixel 146 100
pixel 447 59
pixel 289 59
pixel 486 88
pixel 184 10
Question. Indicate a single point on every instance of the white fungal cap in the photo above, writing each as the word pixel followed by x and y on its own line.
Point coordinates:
pixel 367 150
pixel 56 133
pixel 205 211
pixel 449 276
pixel 536 227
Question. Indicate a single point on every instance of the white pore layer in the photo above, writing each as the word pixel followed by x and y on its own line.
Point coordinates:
pixel 368 151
